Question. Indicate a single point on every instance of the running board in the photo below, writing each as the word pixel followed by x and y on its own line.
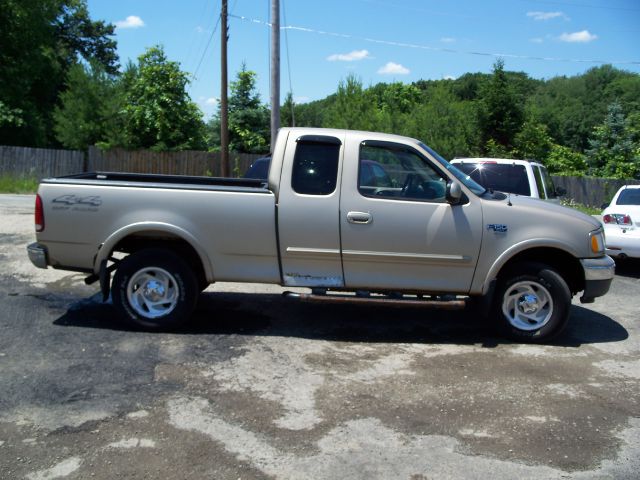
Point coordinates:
pixel 384 301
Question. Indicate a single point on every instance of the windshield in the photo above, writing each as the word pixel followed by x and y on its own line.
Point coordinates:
pixel 467 180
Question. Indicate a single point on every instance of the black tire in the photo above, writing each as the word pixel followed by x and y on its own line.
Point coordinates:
pixel 154 289
pixel 532 303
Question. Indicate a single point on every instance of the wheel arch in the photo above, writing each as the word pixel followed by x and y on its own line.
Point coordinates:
pixel 565 263
pixel 139 236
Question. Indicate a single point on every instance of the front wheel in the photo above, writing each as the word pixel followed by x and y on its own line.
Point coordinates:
pixel 154 289
pixel 532 303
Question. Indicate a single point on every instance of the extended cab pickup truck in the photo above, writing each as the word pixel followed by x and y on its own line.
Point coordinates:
pixel 342 211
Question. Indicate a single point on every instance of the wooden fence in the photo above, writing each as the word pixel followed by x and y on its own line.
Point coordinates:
pixel 41 163
pixel 591 191
pixel 169 163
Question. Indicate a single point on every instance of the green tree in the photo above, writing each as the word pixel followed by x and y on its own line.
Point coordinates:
pixel 500 110
pixel 158 111
pixel 287 111
pixel 249 125
pixel 40 41
pixel 89 110
pixel 613 151
pixel 352 107
pixel 444 123
pixel 532 142
pixel 565 161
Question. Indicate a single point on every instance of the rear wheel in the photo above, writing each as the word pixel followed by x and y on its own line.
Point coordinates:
pixel 532 303
pixel 154 289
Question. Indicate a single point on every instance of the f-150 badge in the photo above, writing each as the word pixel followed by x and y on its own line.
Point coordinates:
pixel 498 227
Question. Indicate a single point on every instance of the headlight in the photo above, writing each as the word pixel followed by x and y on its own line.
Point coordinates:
pixel 596 240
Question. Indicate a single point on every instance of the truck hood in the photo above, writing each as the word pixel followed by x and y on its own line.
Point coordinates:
pixel 537 208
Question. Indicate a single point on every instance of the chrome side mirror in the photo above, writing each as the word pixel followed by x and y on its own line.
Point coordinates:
pixel 454 192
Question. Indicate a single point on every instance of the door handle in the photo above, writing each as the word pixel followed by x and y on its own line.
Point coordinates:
pixel 359 217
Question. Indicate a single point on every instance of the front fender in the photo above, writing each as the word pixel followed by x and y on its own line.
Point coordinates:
pixel 482 283
pixel 141 227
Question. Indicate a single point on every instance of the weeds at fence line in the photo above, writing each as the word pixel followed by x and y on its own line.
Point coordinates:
pixel 14 184
pixel 571 203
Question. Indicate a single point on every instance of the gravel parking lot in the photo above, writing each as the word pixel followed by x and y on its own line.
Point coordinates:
pixel 259 386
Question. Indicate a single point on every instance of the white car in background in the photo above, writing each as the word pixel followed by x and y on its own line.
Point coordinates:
pixel 520 177
pixel 621 221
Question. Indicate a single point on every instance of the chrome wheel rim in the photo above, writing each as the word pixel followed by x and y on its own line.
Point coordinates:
pixel 527 305
pixel 152 292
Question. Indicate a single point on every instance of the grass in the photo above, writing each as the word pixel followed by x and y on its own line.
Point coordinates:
pixel 11 184
pixel 583 208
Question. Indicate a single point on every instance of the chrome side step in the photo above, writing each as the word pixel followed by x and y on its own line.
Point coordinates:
pixel 446 304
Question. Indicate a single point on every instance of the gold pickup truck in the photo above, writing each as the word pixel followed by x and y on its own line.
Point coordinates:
pixel 354 216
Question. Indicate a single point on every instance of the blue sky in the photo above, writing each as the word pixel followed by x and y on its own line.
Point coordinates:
pixel 378 40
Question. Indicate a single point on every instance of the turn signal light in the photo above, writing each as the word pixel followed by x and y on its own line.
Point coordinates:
pixel 597 241
pixel 39 214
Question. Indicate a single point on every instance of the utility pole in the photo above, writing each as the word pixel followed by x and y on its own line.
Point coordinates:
pixel 224 102
pixel 275 71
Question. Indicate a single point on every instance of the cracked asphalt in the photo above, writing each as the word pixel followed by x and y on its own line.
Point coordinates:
pixel 259 386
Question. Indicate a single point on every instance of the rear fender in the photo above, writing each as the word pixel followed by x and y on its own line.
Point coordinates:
pixel 144 227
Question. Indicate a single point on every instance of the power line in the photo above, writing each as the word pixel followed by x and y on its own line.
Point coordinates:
pixel 436 49
pixel 206 49
pixel 196 35
pixel 581 5
pixel 286 42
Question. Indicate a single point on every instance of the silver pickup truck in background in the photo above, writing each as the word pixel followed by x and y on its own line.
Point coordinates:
pixel 342 211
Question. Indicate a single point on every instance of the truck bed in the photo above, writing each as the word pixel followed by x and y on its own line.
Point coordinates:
pixel 146 180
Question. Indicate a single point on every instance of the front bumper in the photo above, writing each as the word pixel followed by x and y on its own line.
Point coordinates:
pixel 38 255
pixel 598 275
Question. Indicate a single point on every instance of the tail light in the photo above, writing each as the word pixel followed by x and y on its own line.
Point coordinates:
pixel 39 216
pixel 617 218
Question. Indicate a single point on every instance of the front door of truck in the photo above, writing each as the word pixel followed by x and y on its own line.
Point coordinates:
pixel 398 231
pixel 308 206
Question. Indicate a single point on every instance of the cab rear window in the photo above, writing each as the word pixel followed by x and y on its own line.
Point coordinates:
pixel 629 196
pixel 503 178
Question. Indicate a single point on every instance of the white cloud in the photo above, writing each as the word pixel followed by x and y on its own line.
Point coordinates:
pixel 213 101
pixel 349 57
pixel 447 40
pixel 537 40
pixel 132 21
pixel 449 77
pixel 542 16
pixel 299 100
pixel 393 69
pixel 578 37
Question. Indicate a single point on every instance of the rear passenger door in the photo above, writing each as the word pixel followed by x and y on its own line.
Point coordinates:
pixel 308 211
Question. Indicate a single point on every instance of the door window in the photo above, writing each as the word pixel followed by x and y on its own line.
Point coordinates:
pixel 395 171
pixel 315 166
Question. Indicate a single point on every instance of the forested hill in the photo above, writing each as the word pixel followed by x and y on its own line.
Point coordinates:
pixel 589 121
